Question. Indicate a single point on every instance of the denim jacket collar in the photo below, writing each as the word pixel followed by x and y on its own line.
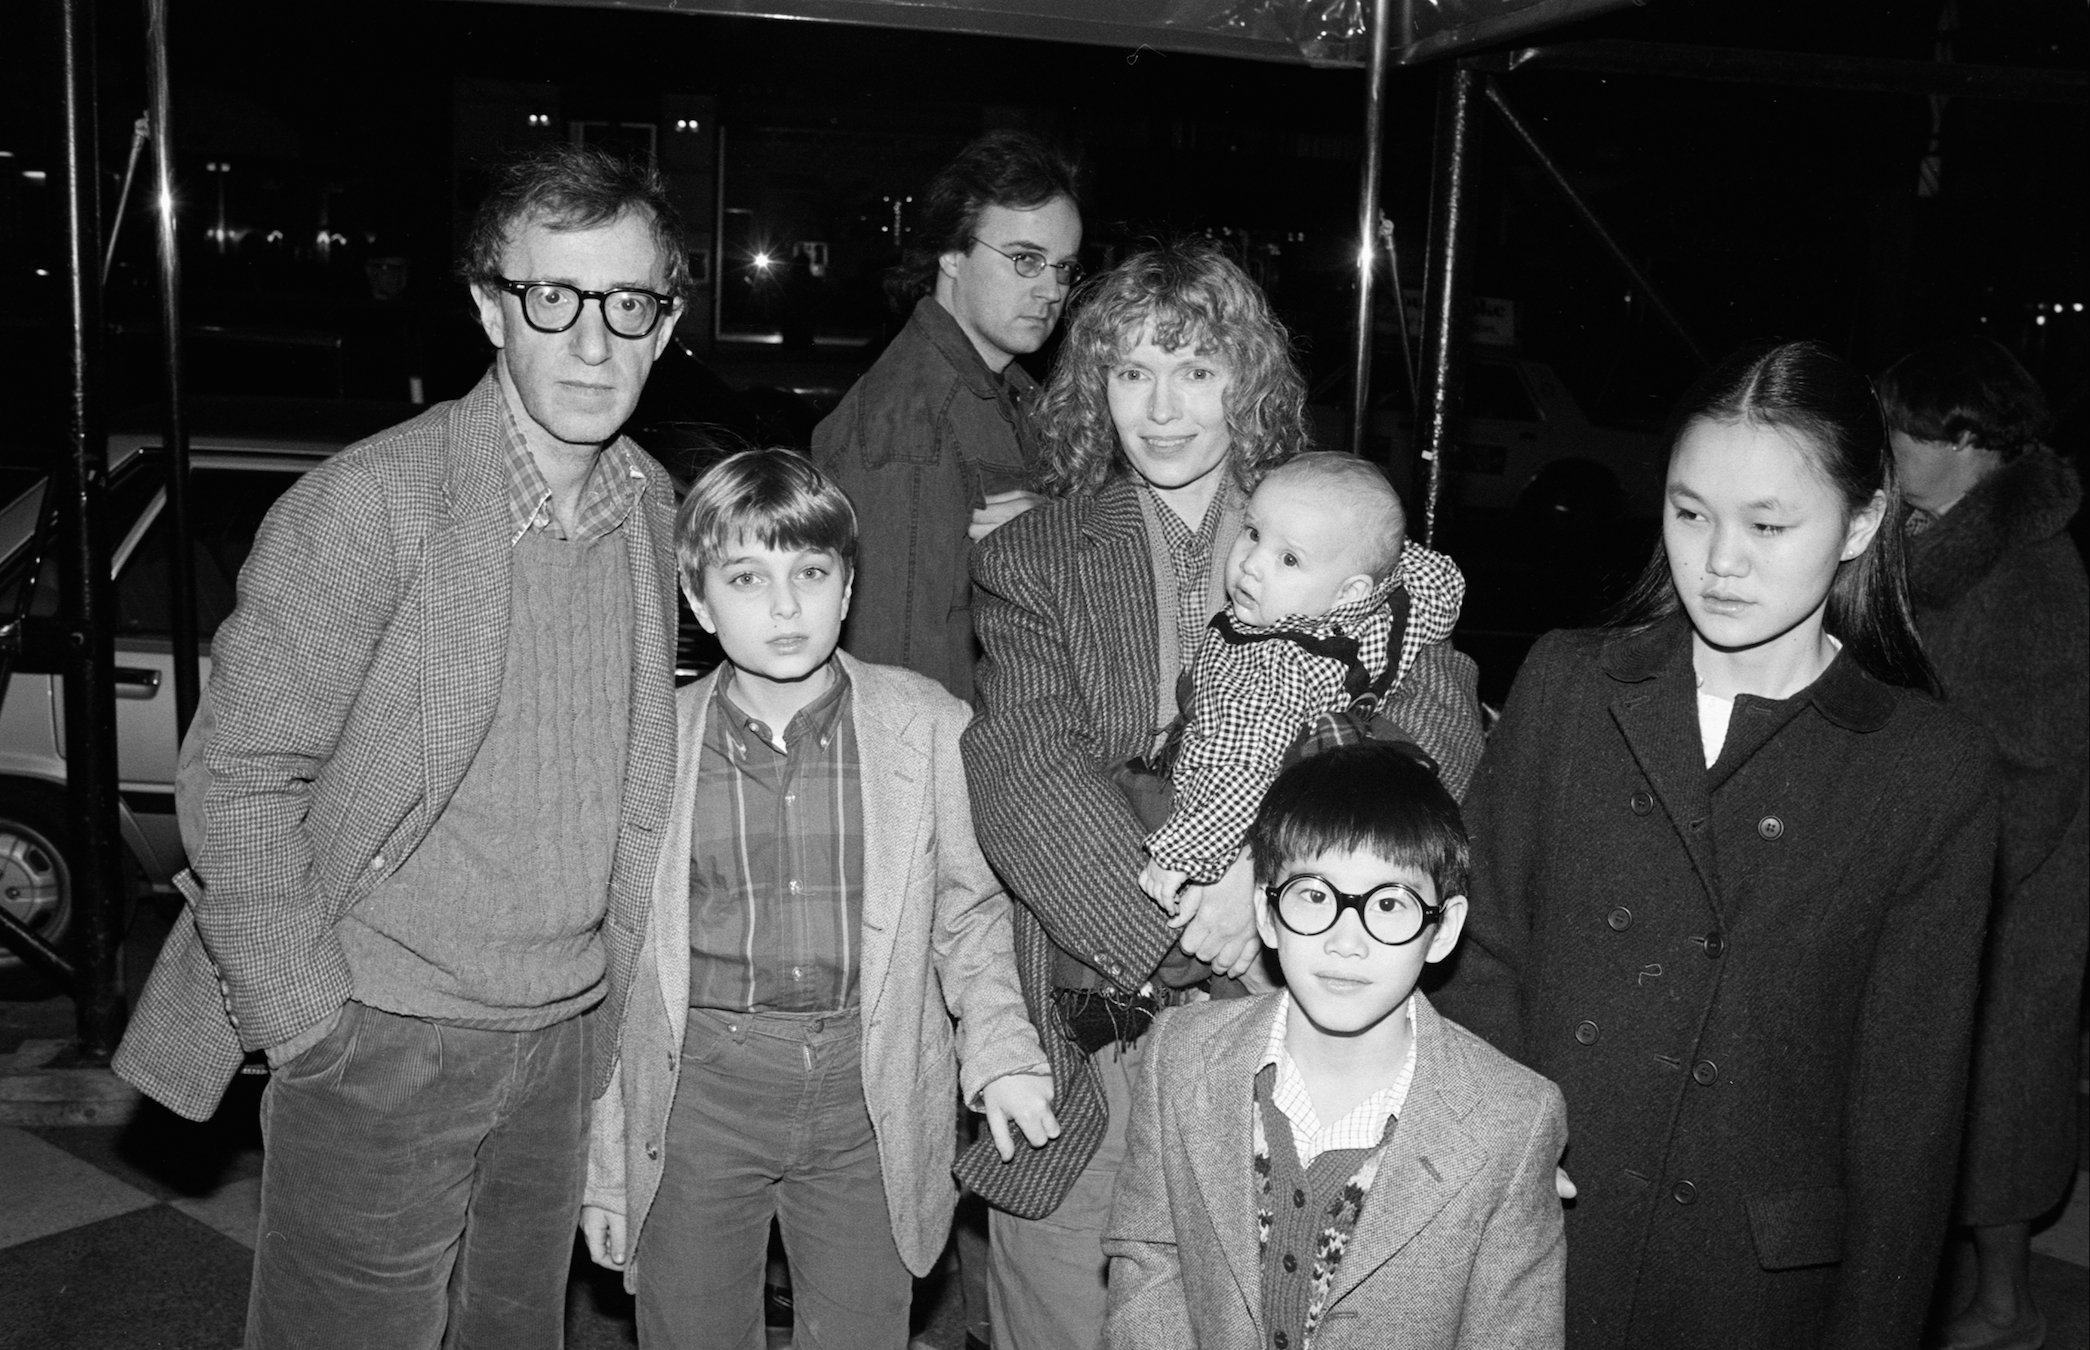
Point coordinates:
pixel 942 332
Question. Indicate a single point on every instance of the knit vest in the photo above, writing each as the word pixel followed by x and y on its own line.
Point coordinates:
pixel 1304 1217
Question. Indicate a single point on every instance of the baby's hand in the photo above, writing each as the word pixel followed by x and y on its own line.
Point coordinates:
pixel 1163 886
pixel 1025 1099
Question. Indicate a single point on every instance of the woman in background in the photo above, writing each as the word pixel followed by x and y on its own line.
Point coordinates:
pixel 2004 610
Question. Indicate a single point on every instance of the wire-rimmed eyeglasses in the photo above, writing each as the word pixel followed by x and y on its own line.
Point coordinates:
pixel 1393 913
pixel 552 307
pixel 1029 263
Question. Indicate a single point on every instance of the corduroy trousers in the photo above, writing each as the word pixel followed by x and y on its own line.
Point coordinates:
pixel 420 1186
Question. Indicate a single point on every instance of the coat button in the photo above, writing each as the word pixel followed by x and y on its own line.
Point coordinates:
pixel 1586 1033
pixel 377 864
pixel 1298 1199
pixel 1684 1193
pixel 1291 1263
pixel 1643 802
pixel 653 1152
pixel 1620 919
pixel 1715 944
pixel 1280 1340
pixel 1770 827
pixel 1705 1072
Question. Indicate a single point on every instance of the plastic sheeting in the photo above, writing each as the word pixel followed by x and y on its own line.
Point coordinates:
pixel 1330 33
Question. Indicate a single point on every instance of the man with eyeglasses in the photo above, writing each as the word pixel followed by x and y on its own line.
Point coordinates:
pixel 930 444
pixel 427 786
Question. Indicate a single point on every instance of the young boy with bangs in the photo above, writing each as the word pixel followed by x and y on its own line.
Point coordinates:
pixel 820 915
pixel 1336 1165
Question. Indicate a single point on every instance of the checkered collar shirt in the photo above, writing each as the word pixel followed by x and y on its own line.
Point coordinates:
pixel 1363 1127
pixel 615 484
pixel 1191 552
pixel 777 859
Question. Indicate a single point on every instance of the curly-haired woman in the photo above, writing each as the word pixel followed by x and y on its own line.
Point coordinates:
pixel 1174 392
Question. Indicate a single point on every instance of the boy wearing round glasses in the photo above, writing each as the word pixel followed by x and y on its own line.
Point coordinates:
pixel 1397 1170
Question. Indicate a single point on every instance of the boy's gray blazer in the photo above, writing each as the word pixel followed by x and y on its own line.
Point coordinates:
pixel 936 943
pixel 1460 1244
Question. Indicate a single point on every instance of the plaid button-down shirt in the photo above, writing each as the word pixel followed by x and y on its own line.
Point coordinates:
pixel 615 485
pixel 777 860
pixel 1364 1126
pixel 1191 553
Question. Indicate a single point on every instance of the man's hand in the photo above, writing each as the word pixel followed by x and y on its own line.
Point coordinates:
pixel 1222 932
pixel 1163 886
pixel 1025 1099
pixel 1001 508
pixel 280 1055
pixel 603 1230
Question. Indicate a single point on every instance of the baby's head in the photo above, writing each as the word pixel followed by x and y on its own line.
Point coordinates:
pixel 1322 529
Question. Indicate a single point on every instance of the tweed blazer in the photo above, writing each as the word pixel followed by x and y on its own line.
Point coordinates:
pixel 349 692
pixel 2004 610
pixel 1460 1244
pixel 1066 690
pixel 1755 985
pixel 935 945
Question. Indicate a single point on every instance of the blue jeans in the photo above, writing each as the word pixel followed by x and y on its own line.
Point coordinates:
pixel 419 1187
pixel 769 1121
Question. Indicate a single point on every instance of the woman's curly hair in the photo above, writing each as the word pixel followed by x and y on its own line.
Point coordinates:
pixel 1187 293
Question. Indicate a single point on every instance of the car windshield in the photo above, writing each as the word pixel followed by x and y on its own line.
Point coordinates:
pixel 226 509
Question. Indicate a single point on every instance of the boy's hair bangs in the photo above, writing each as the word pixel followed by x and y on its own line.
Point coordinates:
pixel 1368 798
pixel 774 497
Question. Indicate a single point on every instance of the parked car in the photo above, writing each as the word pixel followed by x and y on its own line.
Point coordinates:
pixel 1527 453
pixel 243 454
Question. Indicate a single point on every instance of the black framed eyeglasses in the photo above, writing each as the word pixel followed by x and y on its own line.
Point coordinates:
pixel 1394 913
pixel 550 307
pixel 1029 264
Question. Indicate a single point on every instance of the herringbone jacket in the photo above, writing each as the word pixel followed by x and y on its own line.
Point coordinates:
pixel 1066 689
pixel 349 692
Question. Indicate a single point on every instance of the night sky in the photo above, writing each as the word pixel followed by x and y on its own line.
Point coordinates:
pixel 1757 210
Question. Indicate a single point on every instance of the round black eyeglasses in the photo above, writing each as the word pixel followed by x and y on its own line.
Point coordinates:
pixel 550 307
pixel 1029 264
pixel 1394 913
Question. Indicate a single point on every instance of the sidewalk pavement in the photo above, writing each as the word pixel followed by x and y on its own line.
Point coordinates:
pixel 123 1226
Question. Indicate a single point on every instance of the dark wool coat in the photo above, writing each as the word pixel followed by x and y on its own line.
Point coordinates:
pixel 2004 610
pixel 1754 984
pixel 1067 690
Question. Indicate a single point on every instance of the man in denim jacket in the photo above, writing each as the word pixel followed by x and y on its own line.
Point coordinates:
pixel 930 444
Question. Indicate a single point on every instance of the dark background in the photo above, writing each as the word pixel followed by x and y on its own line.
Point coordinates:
pixel 1757 210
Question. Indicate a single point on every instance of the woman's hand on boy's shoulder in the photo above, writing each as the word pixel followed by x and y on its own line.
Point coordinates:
pixel 603 1230
pixel 1022 1099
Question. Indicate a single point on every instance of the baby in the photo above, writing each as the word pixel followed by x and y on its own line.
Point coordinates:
pixel 1327 606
